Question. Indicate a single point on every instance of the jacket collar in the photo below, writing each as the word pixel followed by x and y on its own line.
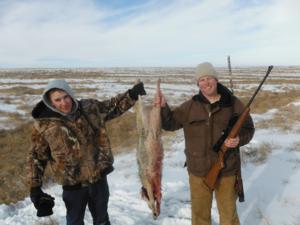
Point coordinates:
pixel 41 111
pixel 226 99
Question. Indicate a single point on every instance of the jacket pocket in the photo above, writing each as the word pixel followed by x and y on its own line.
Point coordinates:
pixel 196 128
pixel 196 162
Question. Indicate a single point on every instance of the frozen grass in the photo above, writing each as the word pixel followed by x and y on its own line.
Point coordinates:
pixel 286 115
pixel 257 154
pixel 14 145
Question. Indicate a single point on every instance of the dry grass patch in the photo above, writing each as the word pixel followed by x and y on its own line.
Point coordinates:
pixel 269 81
pixel 122 132
pixel 49 73
pixel 258 154
pixel 12 120
pixel 284 118
pixel 80 90
pixel 21 90
pixel 266 100
pixel 13 147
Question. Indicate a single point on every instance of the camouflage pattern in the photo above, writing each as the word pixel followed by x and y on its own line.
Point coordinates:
pixel 78 150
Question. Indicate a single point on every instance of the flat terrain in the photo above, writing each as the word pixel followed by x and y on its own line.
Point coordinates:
pixel 275 111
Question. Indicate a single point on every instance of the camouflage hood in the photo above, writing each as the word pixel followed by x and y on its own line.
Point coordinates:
pixel 54 84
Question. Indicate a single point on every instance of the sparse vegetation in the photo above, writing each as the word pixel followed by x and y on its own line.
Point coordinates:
pixel 269 100
pixel 15 143
pixel 257 154
pixel 21 90
pixel 13 146
pixel 286 115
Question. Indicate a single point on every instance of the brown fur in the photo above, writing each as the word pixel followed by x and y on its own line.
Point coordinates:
pixel 150 155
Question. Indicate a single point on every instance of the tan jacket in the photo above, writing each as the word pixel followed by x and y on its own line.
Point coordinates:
pixel 78 150
pixel 203 124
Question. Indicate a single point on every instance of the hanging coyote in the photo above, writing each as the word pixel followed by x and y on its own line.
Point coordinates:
pixel 150 153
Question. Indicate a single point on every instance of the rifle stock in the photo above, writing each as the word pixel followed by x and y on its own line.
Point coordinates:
pixel 213 174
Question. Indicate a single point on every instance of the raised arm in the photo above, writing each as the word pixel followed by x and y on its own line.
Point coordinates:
pixel 119 104
pixel 170 119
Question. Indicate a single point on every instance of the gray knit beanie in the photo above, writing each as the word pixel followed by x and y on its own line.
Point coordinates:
pixel 205 69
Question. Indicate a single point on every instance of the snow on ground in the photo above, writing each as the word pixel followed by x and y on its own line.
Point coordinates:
pixel 265 116
pixel 11 108
pixel 268 87
pixel 271 190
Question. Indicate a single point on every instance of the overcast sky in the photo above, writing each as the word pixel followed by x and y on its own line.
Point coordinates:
pixel 133 33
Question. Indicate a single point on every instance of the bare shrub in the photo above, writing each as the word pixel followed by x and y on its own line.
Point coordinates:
pixel 257 155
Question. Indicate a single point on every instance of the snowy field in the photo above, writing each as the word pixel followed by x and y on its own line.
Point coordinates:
pixel 271 191
pixel 271 185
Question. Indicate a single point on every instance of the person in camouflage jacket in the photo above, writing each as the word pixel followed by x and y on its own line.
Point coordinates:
pixel 71 136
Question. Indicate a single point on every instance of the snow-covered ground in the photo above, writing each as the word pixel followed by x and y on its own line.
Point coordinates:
pixel 271 190
pixel 271 187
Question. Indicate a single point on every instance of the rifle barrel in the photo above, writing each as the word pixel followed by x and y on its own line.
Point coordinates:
pixel 261 83
pixel 213 174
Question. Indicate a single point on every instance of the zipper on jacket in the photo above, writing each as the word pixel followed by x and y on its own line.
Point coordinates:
pixel 208 139
pixel 208 121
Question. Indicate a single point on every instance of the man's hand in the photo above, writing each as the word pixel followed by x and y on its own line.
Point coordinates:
pixel 159 100
pixel 42 202
pixel 232 142
pixel 137 90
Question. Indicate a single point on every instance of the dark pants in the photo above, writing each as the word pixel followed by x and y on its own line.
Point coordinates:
pixel 95 196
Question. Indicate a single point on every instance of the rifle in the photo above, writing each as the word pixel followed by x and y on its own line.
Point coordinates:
pixel 230 73
pixel 213 174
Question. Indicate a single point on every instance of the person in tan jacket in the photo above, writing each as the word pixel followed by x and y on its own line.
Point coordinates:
pixel 204 119
pixel 70 135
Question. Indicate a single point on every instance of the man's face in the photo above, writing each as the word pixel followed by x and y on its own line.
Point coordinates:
pixel 208 85
pixel 61 101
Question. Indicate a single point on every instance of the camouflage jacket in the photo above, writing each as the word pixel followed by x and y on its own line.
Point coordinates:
pixel 77 150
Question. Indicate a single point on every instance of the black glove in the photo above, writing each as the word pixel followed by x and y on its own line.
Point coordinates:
pixel 42 202
pixel 137 90
pixel 107 170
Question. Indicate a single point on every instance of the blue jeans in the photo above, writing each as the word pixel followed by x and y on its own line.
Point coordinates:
pixel 95 196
